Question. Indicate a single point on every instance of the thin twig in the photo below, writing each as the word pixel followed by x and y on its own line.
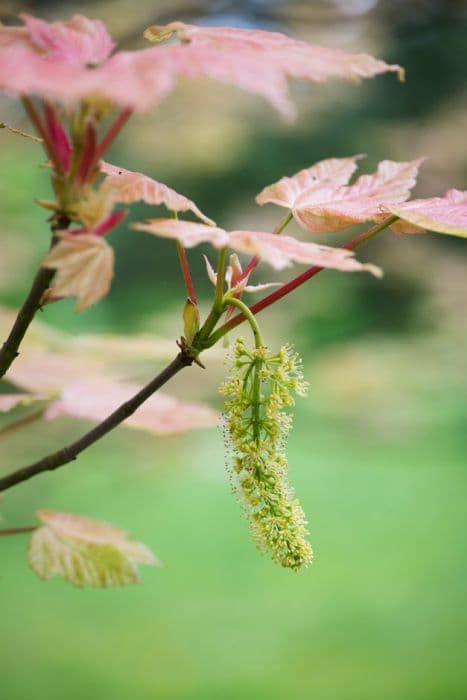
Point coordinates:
pixel 32 303
pixel 18 530
pixel 70 452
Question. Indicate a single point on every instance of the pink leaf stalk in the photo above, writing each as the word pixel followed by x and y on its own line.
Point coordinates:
pixel 57 137
pixel 110 222
pixel 89 153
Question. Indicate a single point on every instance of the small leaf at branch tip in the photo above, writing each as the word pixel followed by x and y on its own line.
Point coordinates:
pixel 84 265
pixel 85 552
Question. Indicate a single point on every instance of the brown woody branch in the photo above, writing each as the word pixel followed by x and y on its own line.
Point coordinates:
pixel 32 303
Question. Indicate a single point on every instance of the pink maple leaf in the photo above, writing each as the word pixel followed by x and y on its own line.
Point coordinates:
pixel 128 186
pixel 446 214
pixel 326 207
pixel 78 42
pixel 278 251
pixel 85 388
pixel 161 414
pixel 332 171
pixel 71 60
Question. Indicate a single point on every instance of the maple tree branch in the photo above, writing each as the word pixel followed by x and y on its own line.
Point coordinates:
pixel 70 452
pixel 32 303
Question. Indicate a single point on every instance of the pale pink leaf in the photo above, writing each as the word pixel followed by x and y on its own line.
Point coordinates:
pixel 277 251
pixel 46 372
pixel 281 251
pixel 188 233
pixel 122 348
pixel 446 214
pixel 68 61
pixel 84 265
pixel 85 552
pixel 94 399
pixel 80 41
pixel 128 187
pixel 328 209
pixel 97 393
pixel 332 171
pixel 261 61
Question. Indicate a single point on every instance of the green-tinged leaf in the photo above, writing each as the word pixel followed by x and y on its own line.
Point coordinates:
pixel 446 214
pixel 84 265
pixel 85 552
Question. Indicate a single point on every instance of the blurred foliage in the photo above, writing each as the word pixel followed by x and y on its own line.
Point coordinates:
pixel 378 453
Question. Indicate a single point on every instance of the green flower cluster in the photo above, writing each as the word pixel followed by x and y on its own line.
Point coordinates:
pixel 257 394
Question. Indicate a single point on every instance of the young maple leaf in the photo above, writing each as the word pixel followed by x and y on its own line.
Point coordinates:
pixel 84 387
pixel 84 263
pixel 128 186
pixel 95 398
pixel 85 552
pixel 79 41
pixel 68 61
pixel 189 233
pixel 327 206
pixel 331 172
pixel 446 214
pixel 278 251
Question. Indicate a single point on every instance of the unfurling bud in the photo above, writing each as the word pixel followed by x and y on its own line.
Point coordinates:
pixel 190 321
pixel 257 393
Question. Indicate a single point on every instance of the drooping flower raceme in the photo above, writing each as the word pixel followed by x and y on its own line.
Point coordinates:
pixel 258 394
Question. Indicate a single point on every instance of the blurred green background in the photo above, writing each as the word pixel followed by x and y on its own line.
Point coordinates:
pixel 378 450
